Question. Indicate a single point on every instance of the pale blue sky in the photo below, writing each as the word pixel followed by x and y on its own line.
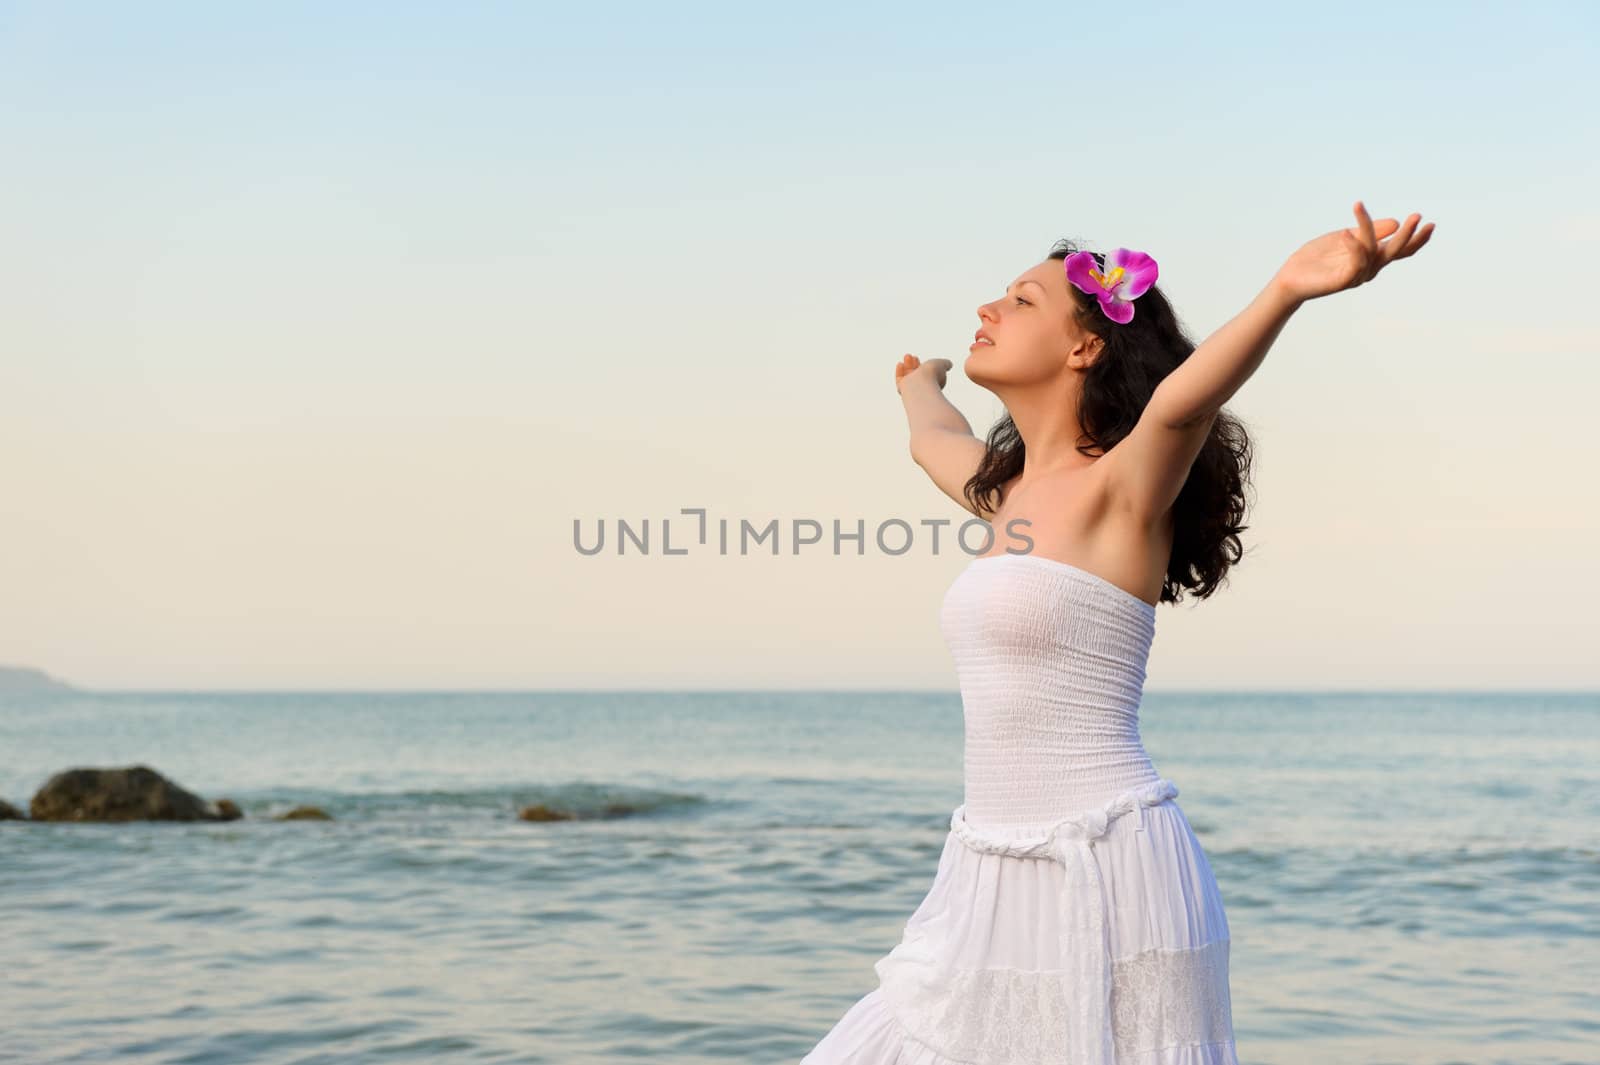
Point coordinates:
pixel 323 322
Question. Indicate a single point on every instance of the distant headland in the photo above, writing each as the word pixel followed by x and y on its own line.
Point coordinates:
pixel 27 679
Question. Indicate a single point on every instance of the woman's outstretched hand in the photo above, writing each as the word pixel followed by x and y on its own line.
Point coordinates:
pixel 1346 258
pixel 911 364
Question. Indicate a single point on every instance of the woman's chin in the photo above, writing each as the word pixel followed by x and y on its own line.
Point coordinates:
pixel 973 368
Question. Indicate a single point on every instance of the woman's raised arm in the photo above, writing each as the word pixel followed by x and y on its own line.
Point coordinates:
pixel 942 442
pixel 1153 461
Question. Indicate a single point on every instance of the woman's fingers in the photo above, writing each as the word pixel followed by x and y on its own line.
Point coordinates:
pixel 1417 241
pixel 905 366
pixel 1411 242
pixel 1364 227
pixel 1392 249
pixel 1407 241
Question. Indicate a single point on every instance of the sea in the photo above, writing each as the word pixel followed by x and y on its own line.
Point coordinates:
pixel 1410 877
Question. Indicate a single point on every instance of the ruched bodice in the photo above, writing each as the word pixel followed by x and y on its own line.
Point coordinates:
pixel 1051 663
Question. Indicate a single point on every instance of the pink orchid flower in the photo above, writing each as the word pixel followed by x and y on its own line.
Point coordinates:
pixel 1129 275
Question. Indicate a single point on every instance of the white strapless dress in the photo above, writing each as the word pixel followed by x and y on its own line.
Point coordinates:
pixel 1073 918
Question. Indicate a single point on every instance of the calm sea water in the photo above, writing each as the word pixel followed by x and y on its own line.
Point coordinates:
pixel 1409 878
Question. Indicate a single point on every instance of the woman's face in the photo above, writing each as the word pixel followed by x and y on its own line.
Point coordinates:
pixel 1032 330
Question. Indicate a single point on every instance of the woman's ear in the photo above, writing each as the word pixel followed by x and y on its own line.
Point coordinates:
pixel 1086 352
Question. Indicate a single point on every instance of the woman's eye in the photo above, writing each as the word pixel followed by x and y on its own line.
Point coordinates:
pixel 1023 301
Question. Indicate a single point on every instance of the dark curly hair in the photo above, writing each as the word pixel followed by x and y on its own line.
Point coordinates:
pixel 1137 356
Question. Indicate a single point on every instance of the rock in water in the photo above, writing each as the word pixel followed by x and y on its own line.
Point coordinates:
pixel 541 812
pixel 133 793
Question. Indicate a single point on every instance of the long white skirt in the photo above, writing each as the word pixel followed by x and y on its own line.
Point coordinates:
pixel 1099 939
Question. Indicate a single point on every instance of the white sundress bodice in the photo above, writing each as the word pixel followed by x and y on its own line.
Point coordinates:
pixel 1051 661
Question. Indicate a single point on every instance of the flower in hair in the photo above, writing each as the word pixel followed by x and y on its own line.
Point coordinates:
pixel 1127 277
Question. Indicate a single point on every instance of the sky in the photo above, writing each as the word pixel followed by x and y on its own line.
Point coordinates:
pixel 321 326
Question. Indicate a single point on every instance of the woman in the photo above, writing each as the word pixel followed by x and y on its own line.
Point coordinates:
pixel 1074 917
